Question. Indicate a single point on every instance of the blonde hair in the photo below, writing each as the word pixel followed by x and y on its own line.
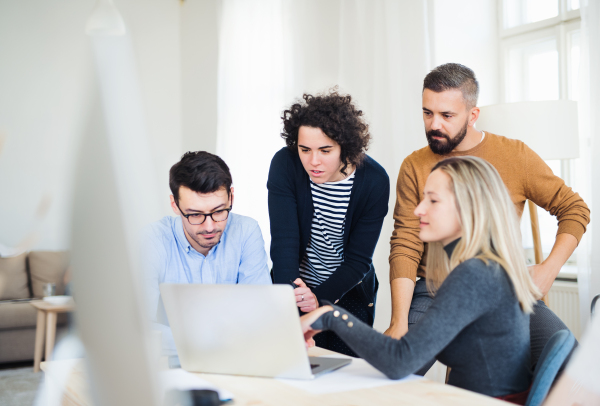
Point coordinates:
pixel 490 227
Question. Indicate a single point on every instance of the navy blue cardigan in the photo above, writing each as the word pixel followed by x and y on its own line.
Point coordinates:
pixel 291 212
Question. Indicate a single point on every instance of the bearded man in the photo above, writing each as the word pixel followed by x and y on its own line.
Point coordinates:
pixel 450 111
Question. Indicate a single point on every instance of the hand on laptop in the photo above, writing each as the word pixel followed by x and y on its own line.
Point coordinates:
pixel 305 299
pixel 308 319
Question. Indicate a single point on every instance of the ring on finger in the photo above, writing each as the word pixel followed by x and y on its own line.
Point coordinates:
pixel 302 297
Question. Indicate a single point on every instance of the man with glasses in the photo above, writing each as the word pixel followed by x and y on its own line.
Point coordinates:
pixel 204 242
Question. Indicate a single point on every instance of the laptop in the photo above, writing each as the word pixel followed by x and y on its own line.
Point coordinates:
pixel 249 330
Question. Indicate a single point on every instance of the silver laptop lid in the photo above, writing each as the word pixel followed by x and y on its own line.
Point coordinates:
pixel 237 329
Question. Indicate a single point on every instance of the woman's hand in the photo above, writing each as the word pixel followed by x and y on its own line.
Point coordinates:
pixel 305 299
pixel 397 332
pixel 308 319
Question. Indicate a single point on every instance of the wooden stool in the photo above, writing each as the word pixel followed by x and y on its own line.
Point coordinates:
pixel 46 322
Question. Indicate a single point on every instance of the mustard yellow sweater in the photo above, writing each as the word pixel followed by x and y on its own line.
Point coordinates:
pixel 525 175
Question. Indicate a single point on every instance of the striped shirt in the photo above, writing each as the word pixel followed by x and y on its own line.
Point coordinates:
pixel 325 250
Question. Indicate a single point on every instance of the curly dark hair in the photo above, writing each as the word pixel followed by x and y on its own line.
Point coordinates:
pixel 337 117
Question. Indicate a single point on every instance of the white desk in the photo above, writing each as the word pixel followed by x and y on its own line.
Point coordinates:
pixel 249 391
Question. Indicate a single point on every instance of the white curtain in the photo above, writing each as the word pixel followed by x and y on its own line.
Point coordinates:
pixel 251 96
pixel 273 51
pixel 589 126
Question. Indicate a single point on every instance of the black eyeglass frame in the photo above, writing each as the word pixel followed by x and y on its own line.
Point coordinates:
pixel 187 216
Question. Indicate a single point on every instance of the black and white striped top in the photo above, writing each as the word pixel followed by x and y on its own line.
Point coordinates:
pixel 325 251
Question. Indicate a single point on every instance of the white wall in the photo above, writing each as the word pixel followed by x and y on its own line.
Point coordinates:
pixel 199 63
pixel 45 77
pixel 155 27
pixel 48 90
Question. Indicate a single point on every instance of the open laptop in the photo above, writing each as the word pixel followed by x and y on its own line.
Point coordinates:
pixel 241 330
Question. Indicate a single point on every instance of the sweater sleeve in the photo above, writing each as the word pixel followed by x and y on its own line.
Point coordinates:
pixel 358 253
pixel 283 219
pixel 406 248
pixel 552 194
pixel 467 294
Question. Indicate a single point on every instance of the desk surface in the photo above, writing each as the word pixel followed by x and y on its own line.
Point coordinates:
pixel 250 391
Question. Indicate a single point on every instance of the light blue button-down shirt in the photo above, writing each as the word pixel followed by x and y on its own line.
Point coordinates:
pixel 239 257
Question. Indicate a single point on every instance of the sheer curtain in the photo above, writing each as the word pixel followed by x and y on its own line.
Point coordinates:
pixel 383 59
pixel 273 51
pixel 251 96
pixel 589 125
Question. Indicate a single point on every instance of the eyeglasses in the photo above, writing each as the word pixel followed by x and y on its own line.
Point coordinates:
pixel 196 219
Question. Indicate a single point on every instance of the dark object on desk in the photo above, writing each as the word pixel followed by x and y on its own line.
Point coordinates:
pixel 205 397
pixel 194 397
pixel 593 306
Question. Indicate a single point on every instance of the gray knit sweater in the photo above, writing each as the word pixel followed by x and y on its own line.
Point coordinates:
pixel 475 326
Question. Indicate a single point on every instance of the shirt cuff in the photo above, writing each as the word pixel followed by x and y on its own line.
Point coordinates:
pixel 575 228
pixel 402 267
pixel 327 320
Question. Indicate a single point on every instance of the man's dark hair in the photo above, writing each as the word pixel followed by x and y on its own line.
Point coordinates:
pixel 337 117
pixel 454 76
pixel 201 172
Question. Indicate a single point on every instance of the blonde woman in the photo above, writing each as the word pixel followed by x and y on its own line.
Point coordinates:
pixel 479 322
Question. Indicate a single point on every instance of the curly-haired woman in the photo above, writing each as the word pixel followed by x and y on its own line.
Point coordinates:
pixel 327 202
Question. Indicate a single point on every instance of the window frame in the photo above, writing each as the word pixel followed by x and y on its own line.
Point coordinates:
pixel 564 15
pixel 528 38
pixel 560 28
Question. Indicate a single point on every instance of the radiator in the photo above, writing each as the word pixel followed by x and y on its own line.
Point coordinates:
pixel 564 301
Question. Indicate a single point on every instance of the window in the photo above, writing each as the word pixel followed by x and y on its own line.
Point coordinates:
pixel 519 12
pixel 540 56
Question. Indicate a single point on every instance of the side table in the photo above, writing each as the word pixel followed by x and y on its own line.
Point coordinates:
pixel 46 323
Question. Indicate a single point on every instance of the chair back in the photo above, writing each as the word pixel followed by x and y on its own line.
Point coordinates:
pixel 551 361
